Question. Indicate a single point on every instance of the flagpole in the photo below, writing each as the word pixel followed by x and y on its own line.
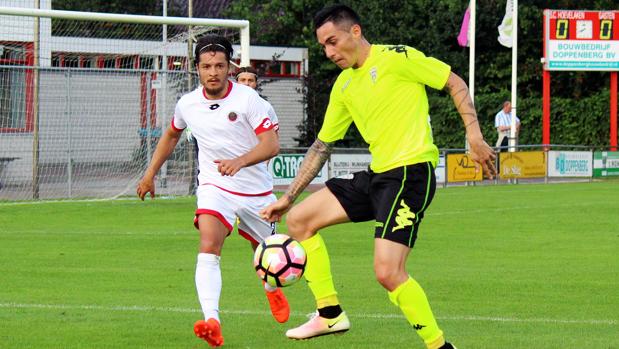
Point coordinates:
pixel 512 132
pixel 472 51
pixel 472 7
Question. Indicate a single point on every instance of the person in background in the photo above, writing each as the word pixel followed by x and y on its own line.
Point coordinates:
pixel 503 123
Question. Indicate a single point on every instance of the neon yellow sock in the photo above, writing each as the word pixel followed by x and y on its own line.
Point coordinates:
pixel 413 302
pixel 318 272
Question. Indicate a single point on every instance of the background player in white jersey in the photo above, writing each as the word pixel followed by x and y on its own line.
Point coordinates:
pixel 235 137
pixel 278 303
pixel 248 76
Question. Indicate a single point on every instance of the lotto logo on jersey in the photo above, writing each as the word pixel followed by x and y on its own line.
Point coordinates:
pixel 266 125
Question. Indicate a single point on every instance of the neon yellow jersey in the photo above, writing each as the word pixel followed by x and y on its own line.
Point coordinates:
pixel 386 99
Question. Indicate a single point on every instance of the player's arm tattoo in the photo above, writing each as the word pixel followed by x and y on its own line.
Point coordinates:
pixel 459 92
pixel 315 159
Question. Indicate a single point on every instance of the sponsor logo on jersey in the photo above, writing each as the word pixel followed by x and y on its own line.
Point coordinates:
pixel 213 106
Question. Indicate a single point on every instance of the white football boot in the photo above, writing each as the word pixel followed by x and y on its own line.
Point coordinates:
pixel 320 326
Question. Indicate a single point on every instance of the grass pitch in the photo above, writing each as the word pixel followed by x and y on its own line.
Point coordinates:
pixel 514 266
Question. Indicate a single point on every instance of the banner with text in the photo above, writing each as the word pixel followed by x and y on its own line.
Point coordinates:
pixel 570 164
pixel 605 163
pixel 522 164
pixel 345 164
pixel 284 168
pixel 460 168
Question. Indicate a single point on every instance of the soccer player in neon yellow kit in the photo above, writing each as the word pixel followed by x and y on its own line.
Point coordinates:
pixel 382 90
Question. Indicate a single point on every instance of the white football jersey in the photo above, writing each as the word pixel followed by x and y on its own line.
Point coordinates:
pixel 226 128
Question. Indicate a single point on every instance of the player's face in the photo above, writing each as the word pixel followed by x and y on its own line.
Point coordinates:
pixel 213 71
pixel 248 79
pixel 341 44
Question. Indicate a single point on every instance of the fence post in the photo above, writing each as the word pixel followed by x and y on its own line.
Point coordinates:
pixel 69 138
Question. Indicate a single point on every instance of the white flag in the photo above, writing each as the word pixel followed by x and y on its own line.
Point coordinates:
pixel 506 27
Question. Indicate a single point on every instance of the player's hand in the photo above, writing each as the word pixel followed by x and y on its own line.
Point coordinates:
pixel 275 211
pixel 146 185
pixel 484 155
pixel 229 167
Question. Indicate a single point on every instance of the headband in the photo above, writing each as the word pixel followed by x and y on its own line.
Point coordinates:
pixel 218 45
pixel 241 72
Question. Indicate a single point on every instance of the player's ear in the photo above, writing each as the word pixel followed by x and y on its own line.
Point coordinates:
pixel 356 31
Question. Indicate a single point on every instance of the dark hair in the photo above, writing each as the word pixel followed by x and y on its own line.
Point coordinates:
pixel 337 14
pixel 213 43
pixel 246 69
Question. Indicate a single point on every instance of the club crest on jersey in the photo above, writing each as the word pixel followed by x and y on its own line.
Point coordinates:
pixel 232 116
pixel 373 74
pixel 213 106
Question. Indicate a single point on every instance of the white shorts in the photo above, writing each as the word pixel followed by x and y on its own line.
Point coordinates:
pixel 227 207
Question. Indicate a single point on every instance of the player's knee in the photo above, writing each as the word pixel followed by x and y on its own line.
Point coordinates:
pixel 211 247
pixel 388 276
pixel 297 225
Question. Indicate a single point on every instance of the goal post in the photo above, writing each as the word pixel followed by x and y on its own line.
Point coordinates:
pixel 107 86
pixel 241 24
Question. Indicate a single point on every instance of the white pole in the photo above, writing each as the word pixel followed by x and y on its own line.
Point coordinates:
pixel 472 51
pixel 113 17
pixel 512 132
pixel 164 89
pixel 472 5
pixel 245 45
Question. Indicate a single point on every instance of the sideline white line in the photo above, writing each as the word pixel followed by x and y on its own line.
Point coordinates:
pixel 250 312
pixel 73 201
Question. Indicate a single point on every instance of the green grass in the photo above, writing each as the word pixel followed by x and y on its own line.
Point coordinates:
pixel 526 266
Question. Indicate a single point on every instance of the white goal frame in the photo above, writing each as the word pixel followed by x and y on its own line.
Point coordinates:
pixel 243 56
pixel 241 24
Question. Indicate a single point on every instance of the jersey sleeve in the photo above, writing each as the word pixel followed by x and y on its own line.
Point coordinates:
pixel 272 115
pixel 178 122
pixel 258 114
pixel 337 118
pixel 426 70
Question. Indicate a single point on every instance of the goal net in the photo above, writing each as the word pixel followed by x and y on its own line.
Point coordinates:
pixel 85 97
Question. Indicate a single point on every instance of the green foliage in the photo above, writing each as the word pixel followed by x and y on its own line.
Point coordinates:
pixel 63 27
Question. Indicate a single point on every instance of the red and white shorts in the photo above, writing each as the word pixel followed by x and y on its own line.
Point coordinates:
pixel 231 208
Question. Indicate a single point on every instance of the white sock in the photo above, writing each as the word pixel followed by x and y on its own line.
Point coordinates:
pixel 269 288
pixel 208 284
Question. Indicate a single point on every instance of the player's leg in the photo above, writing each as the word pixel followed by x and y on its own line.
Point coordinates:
pixel 404 291
pixel 214 219
pixel 253 228
pixel 409 191
pixel 342 201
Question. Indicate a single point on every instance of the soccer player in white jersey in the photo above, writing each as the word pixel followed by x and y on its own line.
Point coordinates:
pixel 235 137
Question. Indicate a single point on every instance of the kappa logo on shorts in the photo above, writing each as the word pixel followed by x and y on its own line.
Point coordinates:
pixel 404 217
